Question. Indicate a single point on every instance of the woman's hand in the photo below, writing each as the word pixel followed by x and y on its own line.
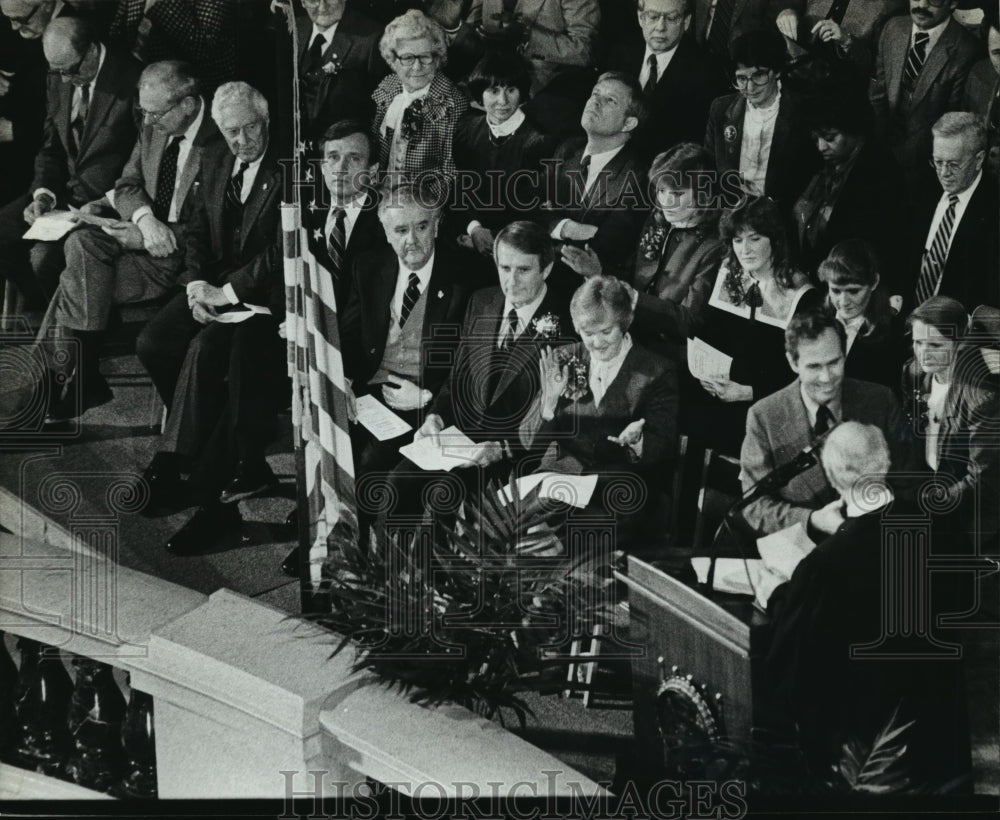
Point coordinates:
pixel 584 261
pixel 631 437
pixel 727 390
pixel 553 382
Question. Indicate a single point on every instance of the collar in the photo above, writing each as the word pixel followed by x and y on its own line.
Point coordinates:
pixel 192 130
pixel 326 33
pixel 663 58
pixel 854 324
pixel 424 274
pixel 509 126
pixel 102 52
pixel 251 170
pixel 934 33
pixel 812 408
pixel 609 370
pixel 525 313
pixel 410 96
pixel 966 195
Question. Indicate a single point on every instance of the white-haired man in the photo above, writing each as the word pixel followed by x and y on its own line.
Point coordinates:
pixel 139 258
pixel 223 381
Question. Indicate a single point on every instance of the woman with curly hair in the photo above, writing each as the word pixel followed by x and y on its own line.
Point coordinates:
pixel 876 348
pixel 416 107
pixel 755 294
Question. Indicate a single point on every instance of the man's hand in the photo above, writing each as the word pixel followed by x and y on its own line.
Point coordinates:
pixel 631 436
pixel 827 31
pixel 552 379
pixel 432 425
pixel 5 78
pixel 203 313
pixel 41 204
pixel 402 394
pixel 206 294
pixel 582 260
pixel 128 235
pixel 482 240
pixel 788 23
pixel 727 390
pixel 352 405
pixel 577 231
pixel 827 519
pixel 283 329
pixel 93 208
pixel 157 237
pixel 487 453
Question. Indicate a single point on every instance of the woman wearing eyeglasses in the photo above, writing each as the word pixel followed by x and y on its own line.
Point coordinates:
pixel 951 394
pixel 755 294
pixel 416 107
pixel 757 131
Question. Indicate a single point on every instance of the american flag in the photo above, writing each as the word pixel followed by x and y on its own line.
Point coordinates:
pixel 315 365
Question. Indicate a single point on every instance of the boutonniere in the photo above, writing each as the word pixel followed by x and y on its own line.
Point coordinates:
pixel 546 326
pixel 578 381
pixel 332 66
pixel 729 133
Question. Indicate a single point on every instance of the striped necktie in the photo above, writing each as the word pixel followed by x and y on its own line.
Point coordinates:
pixel 335 242
pixel 511 334
pixel 234 191
pixel 409 298
pixel 935 257
pixel 915 59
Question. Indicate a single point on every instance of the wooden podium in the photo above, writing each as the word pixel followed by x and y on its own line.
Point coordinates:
pixel 694 678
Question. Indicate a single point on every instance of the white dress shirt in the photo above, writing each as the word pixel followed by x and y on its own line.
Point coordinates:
pixel 524 316
pixel 935 411
pixel 508 126
pixel 755 151
pixel 325 33
pixel 812 409
pixel 598 162
pixel 402 280
pixel 603 373
pixel 852 327
pixel 934 35
pixel 942 207
pixel 351 212
pixel 663 59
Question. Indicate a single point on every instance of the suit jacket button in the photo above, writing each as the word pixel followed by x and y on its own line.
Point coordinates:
pixel 372 352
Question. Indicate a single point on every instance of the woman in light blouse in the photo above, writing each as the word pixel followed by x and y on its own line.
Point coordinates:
pixel 876 348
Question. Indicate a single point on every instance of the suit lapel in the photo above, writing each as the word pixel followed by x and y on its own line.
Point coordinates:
pixel 895 63
pixel 260 194
pixel 157 142
pixel 190 170
pixel 525 348
pixel 64 111
pixel 779 140
pixel 217 198
pixel 734 120
pixel 598 195
pixel 101 100
pixel 438 294
pixel 936 61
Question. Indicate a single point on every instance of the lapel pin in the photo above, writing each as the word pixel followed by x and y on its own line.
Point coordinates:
pixel 440 294
pixel 729 134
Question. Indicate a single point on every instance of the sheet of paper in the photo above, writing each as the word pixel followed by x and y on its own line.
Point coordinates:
pixel 51 227
pixel 455 449
pixel 731 574
pixel 576 490
pixel 782 550
pixel 705 362
pixel 241 313
pixel 379 420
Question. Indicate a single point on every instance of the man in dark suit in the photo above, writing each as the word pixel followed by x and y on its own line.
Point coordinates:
pixel 758 131
pixel 339 64
pixel 495 376
pixel 920 71
pixel 599 184
pixel 400 325
pixel 678 78
pixel 956 231
pixel 89 134
pixel 982 90
pixel 139 258
pixel 719 23
pixel 785 423
pixel 224 381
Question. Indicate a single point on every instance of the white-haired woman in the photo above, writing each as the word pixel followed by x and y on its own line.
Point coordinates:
pixel 416 107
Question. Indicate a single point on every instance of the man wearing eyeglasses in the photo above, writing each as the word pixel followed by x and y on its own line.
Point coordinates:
pixel 29 19
pixel 137 259
pixel 759 131
pixel 956 226
pixel 89 133
pixel 677 76
pixel 920 72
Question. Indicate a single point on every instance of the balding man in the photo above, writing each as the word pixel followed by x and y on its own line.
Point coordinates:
pixel 89 133
pixel 139 260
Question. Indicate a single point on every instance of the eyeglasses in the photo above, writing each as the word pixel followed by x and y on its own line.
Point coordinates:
pixel 758 78
pixel 156 116
pixel 952 165
pixel 937 3
pixel 72 71
pixel 18 22
pixel 409 59
pixel 654 18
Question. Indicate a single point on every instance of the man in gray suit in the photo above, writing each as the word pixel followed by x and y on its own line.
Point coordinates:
pixel 920 72
pixel 785 423
pixel 136 259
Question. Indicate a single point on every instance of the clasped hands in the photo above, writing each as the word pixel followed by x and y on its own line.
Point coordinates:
pixel 203 299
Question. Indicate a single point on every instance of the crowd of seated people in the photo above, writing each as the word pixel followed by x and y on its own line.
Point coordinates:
pixel 534 214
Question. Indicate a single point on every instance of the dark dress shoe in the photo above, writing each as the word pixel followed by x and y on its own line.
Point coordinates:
pixel 252 478
pixel 168 492
pixel 290 566
pixel 208 526
pixel 73 401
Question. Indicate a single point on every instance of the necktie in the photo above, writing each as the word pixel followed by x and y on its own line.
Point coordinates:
pixel 932 265
pixel 653 75
pixel 80 120
pixel 722 21
pixel 915 59
pixel 824 420
pixel 511 334
pixel 585 170
pixel 234 191
pixel 838 10
pixel 166 179
pixel 409 298
pixel 335 242
pixel 314 56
